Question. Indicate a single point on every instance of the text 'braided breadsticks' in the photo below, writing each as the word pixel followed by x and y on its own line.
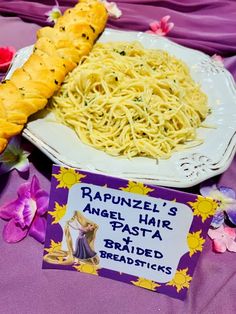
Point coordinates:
pixel 56 52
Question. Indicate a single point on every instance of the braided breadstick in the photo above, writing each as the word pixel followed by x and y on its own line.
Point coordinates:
pixel 57 51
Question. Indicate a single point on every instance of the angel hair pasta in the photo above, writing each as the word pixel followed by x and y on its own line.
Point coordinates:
pixel 127 100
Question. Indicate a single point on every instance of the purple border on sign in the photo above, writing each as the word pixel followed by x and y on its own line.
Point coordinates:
pixel 55 232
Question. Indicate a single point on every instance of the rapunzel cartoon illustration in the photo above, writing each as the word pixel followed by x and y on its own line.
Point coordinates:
pixel 80 250
pixel 84 246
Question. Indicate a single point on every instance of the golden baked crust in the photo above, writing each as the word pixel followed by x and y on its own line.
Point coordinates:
pixel 57 51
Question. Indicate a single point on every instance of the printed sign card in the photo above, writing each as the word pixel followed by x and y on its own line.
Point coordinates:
pixel 143 235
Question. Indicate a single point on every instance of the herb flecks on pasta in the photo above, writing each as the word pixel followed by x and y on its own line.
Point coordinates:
pixel 130 101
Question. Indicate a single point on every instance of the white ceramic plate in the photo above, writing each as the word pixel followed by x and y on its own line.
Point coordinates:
pixel 183 169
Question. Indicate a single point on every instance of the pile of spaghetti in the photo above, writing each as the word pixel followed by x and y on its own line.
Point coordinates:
pixel 130 101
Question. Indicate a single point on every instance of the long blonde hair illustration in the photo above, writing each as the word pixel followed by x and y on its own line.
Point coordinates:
pixel 83 249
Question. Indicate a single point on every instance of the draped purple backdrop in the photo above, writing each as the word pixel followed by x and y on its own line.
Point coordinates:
pixel 206 25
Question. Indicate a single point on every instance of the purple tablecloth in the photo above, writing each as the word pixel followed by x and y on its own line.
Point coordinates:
pixel 206 25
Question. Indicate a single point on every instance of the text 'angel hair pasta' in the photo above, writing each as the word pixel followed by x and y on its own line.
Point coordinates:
pixel 130 101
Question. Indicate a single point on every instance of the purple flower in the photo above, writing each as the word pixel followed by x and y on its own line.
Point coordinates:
pixel 225 198
pixel 14 157
pixel 26 214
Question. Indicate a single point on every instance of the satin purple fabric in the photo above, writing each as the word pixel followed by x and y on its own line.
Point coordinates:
pixel 206 25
